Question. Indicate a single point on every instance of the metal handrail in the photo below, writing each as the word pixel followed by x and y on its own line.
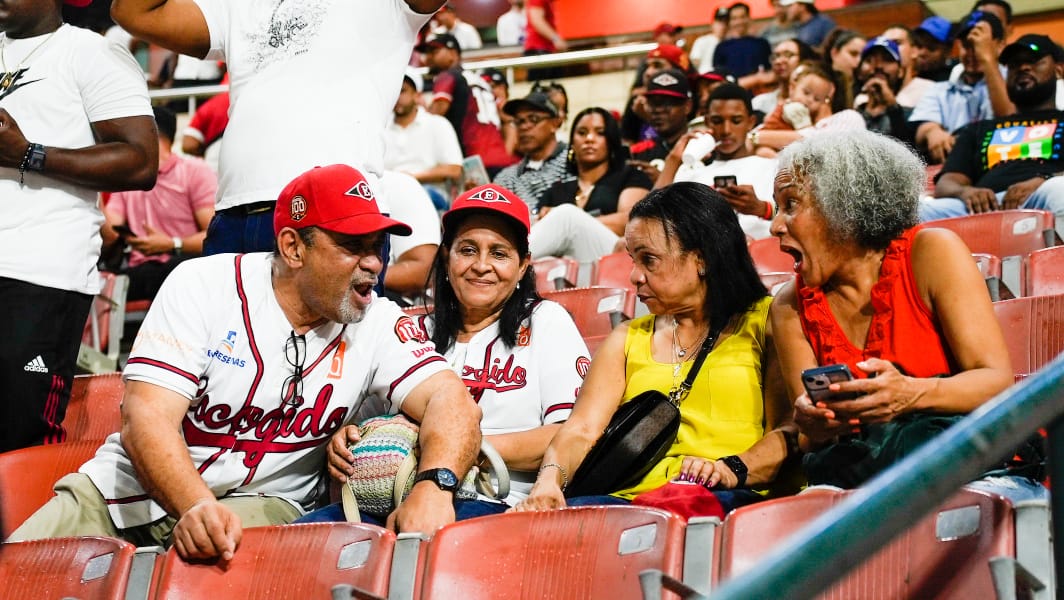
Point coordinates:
pixel 541 60
pixel 825 550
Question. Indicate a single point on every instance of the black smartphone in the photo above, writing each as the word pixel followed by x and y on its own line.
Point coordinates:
pixel 816 382
pixel 124 231
pixel 724 181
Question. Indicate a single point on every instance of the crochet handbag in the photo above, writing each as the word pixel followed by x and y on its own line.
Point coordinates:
pixel 386 463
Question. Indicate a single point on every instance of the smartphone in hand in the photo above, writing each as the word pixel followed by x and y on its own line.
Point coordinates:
pixel 124 231
pixel 721 181
pixel 816 382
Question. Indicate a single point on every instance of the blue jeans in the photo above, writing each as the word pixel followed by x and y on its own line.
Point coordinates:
pixel 1049 196
pixel 463 509
pixel 233 231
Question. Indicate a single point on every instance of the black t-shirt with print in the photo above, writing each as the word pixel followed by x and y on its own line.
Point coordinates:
pixel 997 153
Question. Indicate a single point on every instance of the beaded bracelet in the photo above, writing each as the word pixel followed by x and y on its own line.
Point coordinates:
pixel 561 469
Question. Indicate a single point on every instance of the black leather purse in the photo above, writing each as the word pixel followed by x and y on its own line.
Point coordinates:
pixel 637 438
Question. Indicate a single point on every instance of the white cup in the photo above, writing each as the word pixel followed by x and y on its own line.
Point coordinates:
pixel 697 148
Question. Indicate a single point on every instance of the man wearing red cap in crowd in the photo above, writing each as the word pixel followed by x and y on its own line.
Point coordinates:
pixel 75 119
pixel 542 37
pixel 318 80
pixel 233 392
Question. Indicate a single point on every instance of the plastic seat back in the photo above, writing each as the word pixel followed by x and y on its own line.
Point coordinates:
pixel 768 258
pixel 990 268
pixel 1034 331
pixel 615 270
pixel 1002 233
pixel 595 310
pixel 95 409
pixel 572 553
pixel 102 337
pixel 555 273
pixel 1043 272
pixel 287 561
pixel 28 474
pixel 85 567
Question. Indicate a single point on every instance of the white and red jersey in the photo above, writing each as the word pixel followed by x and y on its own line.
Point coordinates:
pixel 216 335
pixel 532 384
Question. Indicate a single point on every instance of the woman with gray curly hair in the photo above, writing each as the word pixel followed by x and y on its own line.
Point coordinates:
pixel 902 306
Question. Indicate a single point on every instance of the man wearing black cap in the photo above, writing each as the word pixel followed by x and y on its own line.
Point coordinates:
pixel 74 119
pixel 318 78
pixel 950 105
pixel 233 393
pixel 536 120
pixel 467 102
pixel 668 100
pixel 1010 162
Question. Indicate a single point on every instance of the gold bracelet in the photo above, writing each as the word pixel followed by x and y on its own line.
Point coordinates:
pixel 561 469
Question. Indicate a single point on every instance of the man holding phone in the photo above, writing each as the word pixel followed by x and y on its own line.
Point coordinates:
pixel 732 168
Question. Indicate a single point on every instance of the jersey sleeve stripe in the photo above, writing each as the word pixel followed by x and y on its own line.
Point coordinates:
pixel 140 360
pixel 411 371
pixel 557 407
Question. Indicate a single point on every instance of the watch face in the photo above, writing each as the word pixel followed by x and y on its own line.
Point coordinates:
pixel 446 478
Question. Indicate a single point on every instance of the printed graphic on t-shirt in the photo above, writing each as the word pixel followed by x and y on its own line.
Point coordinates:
pixel 289 31
pixel 1023 140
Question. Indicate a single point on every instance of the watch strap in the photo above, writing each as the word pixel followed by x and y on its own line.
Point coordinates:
pixel 738 467
pixel 433 475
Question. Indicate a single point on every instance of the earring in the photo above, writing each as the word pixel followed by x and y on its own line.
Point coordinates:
pixel 701 272
pixel 518 286
pixel 571 155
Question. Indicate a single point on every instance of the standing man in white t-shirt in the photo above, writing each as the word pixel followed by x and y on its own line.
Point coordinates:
pixel 242 371
pixel 311 82
pixel 511 25
pixel 74 119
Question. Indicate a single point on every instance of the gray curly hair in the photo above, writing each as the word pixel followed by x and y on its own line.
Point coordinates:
pixel 866 184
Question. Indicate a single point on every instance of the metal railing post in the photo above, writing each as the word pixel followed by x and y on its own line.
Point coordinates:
pixel 1056 501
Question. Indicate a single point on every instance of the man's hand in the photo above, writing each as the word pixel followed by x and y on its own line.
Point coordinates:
pixel 880 96
pixel 13 143
pixel 208 529
pixel 651 170
pixel 152 242
pixel 982 38
pixel 743 199
pixel 339 459
pixel 939 144
pixel 979 200
pixel 1017 193
pixel 426 509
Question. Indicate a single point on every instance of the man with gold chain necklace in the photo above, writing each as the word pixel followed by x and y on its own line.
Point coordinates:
pixel 74 120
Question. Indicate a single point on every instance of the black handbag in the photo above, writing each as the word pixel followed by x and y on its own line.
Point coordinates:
pixel 638 436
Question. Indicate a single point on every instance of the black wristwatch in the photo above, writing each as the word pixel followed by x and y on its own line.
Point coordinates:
pixel 444 478
pixel 738 467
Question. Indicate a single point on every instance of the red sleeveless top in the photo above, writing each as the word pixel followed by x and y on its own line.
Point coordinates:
pixel 903 329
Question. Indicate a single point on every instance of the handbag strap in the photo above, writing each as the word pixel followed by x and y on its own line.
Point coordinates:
pixel 678 395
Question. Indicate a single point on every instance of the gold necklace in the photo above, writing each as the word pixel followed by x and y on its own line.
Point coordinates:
pixel 679 351
pixel 9 77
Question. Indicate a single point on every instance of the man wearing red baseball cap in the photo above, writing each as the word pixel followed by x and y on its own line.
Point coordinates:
pixel 75 119
pixel 246 366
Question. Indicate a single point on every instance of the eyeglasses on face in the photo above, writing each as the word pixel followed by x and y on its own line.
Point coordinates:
pixel 295 352
pixel 784 54
pixel 530 120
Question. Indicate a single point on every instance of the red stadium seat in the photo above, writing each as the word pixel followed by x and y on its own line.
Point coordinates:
pixel 1034 331
pixel 27 476
pixel 572 553
pixel 102 337
pixel 772 281
pixel 555 273
pixel 95 407
pixel 1003 233
pixel 84 567
pixel 768 258
pixel 1043 272
pixel 596 310
pixel 287 561
pixel 615 270
pixel 990 267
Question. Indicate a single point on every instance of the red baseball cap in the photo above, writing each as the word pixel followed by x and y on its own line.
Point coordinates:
pixel 494 198
pixel 674 54
pixel 337 198
pixel 78 3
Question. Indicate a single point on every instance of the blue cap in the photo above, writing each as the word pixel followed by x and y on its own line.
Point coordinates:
pixel 937 27
pixel 997 29
pixel 885 43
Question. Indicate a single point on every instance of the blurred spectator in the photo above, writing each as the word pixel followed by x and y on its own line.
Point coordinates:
pixel 1011 161
pixel 206 125
pixel 812 26
pixel 950 105
pixel 409 257
pixel 742 54
pixel 447 22
pixel 327 72
pixel 842 53
pixel 704 86
pixel 730 119
pixel 669 102
pixel 584 215
pixel 543 156
pixel 932 47
pixel 634 125
pixel 879 79
pixel 467 102
pixel 1000 9
pixel 786 56
pixel 512 24
pixel 422 145
pixel 780 27
pixel 167 223
pixel 557 94
pixel 667 33
pixel 705 45
pixel 912 88
pixel 541 37
pixel 500 88
pixel 74 119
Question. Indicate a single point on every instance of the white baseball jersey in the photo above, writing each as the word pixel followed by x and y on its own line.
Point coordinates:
pixel 533 384
pixel 216 335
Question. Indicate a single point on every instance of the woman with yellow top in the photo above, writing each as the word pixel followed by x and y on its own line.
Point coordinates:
pixel 693 272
